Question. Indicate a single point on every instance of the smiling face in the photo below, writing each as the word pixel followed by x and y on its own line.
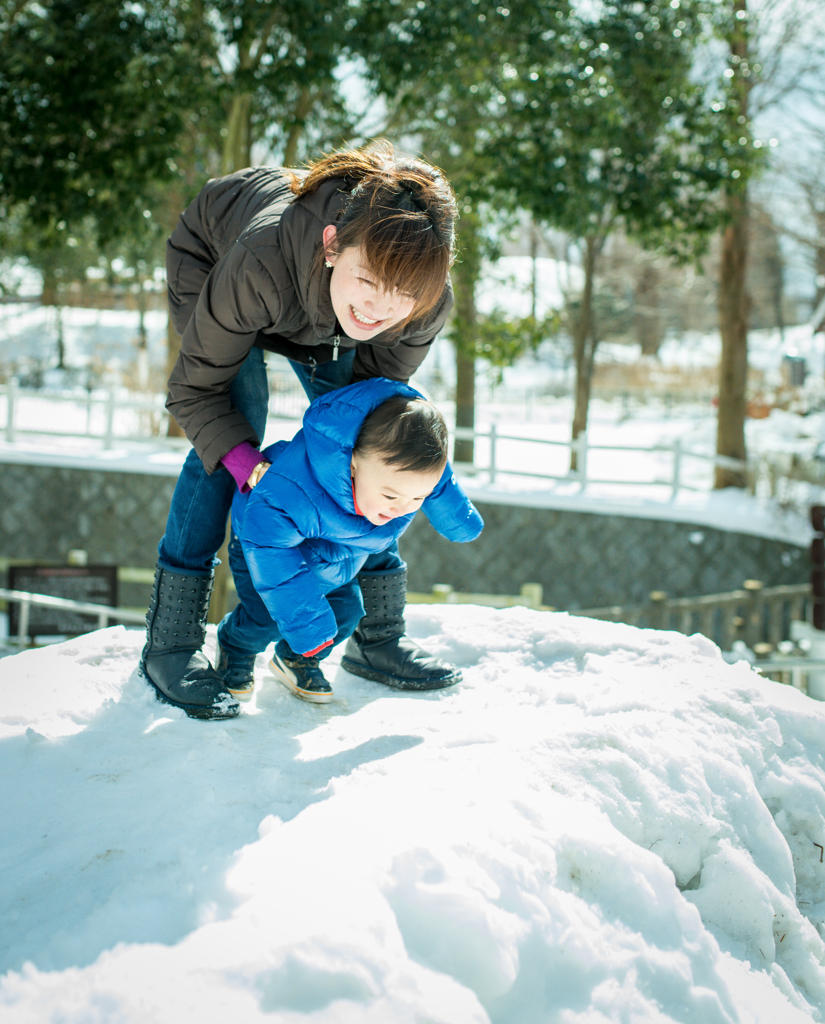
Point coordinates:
pixel 384 492
pixel 363 307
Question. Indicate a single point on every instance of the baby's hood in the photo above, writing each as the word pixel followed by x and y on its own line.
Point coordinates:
pixel 332 425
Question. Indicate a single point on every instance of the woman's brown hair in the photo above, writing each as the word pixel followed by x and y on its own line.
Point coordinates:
pixel 401 212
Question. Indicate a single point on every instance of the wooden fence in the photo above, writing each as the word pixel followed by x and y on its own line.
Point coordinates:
pixel 757 615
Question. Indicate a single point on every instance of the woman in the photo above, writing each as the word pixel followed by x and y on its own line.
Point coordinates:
pixel 344 270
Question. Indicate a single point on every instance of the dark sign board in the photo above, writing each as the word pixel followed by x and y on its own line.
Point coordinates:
pixel 93 583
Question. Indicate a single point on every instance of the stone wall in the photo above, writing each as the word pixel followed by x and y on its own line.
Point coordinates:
pixel 117 518
pixel 581 559
pixel 584 560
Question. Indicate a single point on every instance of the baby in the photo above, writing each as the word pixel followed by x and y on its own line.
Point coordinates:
pixel 368 457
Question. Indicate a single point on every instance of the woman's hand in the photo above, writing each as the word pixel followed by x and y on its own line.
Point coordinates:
pixel 257 473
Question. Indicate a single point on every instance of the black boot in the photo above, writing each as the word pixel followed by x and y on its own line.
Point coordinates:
pixel 236 668
pixel 378 649
pixel 172 659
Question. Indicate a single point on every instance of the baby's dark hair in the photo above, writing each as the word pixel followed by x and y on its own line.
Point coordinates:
pixel 409 433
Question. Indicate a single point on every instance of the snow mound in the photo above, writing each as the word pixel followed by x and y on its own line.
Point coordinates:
pixel 599 824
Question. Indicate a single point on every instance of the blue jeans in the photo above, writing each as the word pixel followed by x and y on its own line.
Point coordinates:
pixel 196 525
pixel 249 628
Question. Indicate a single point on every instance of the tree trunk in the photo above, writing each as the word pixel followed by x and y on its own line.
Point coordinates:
pixel 465 405
pixel 584 345
pixel 819 258
pixel 647 313
pixel 733 363
pixel 237 148
pixel 140 299
pixel 775 268
pixel 465 325
pixel 61 341
pixel 534 275
pixel 49 296
pixel 733 303
pixel 302 108
pixel 464 331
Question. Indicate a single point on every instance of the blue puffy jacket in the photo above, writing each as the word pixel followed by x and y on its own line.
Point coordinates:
pixel 298 527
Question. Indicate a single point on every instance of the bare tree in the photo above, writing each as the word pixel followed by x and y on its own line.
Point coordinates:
pixel 767 270
pixel 801 189
pixel 771 58
pixel 734 302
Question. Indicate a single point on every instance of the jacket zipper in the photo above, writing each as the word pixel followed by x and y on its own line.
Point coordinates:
pixel 313 363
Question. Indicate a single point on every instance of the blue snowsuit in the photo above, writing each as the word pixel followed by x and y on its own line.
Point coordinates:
pixel 297 542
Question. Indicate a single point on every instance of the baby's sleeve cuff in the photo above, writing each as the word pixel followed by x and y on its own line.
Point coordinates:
pixel 309 654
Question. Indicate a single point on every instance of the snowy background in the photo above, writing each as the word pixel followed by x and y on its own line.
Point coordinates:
pixel 100 347
pixel 599 824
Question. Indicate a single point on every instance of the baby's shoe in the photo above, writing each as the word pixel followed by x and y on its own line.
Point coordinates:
pixel 237 669
pixel 301 675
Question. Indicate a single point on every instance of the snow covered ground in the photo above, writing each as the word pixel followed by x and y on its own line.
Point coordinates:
pixel 600 824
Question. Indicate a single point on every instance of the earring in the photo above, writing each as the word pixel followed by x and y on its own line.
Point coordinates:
pixel 327 263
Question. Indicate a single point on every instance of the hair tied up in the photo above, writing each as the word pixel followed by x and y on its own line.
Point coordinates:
pixel 420 206
pixel 416 201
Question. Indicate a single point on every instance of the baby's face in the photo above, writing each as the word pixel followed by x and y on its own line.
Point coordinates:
pixel 384 492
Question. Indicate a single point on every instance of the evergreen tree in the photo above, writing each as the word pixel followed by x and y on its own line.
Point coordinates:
pixel 443 70
pixel 621 136
pixel 90 108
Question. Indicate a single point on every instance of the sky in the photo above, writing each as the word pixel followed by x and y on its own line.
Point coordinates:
pixel 598 824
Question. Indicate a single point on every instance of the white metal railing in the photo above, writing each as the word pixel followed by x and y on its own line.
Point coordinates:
pixel 581 447
pixel 113 403
pixel 103 612
pixel 110 403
